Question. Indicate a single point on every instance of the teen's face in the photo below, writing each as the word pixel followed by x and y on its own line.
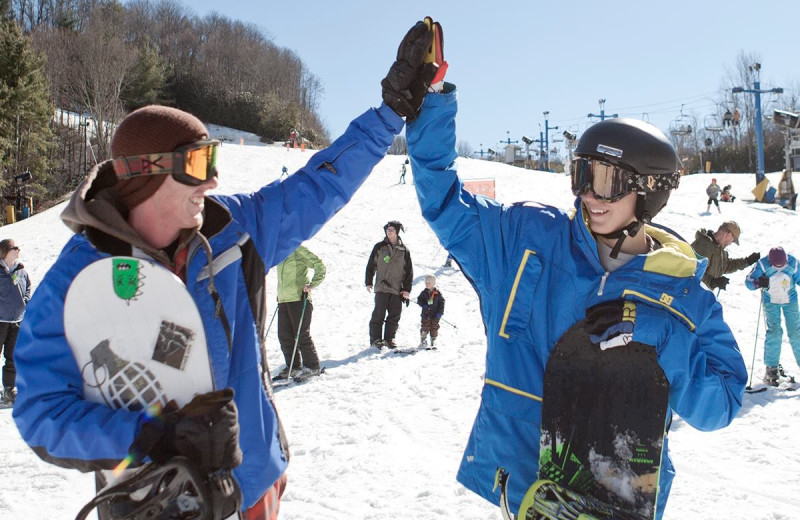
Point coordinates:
pixel 181 205
pixel 607 217
pixel 391 234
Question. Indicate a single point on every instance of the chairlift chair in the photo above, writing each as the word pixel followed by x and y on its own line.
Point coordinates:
pixel 712 123
pixel 683 124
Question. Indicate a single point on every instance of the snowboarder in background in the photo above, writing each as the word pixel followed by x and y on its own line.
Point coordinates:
pixel 726 195
pixel 432 302
pixel 221 247
pixel 776 275
pixel 15 291
pixel 389 266
pixel 295 310
pixel 711 245
pixel 713 190
pixel 537 270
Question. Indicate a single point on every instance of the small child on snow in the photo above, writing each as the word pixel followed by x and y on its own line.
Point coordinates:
pixel 432 303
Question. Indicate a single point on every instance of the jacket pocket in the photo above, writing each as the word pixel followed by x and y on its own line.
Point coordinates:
pixel 519 305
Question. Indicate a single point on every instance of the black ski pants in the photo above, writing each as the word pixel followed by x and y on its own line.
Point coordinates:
pixel 288 324
pixel 8 339
pixel 385 303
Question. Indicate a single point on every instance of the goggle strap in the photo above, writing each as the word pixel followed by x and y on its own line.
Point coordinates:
pixel 148 164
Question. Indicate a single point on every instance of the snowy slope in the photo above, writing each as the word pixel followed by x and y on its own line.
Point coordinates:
pixel 381 436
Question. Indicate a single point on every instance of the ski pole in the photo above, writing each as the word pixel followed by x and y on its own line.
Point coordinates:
pixel 266 333
pixel 755 344
pixel 444 320
pixel 434 255
pixel 297 337
pixel 264 365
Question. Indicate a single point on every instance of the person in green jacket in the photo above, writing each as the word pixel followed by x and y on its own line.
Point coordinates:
pixel 711 245
pixel 295 310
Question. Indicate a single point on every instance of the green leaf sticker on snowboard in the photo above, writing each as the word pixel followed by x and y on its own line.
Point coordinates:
pixel 126 277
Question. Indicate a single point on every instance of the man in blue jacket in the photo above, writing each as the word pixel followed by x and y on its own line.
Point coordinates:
pixel 538 269
pixel 151 200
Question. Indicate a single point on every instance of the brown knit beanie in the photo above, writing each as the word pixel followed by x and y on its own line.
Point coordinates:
pixel 148 130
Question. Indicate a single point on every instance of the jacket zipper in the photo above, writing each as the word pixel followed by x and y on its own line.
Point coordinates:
pixel 602 283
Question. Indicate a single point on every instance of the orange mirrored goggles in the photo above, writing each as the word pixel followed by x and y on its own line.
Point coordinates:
pixel 192 164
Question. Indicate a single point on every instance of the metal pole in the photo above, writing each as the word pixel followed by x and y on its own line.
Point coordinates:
pixel 759 134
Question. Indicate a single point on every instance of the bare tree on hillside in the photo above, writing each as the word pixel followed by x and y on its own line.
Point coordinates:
pixel 100 66
pixel 463 148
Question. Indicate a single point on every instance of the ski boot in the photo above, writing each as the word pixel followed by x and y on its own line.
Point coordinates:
pixel 306 374
pixel 283 375
pixel 378 344
pixel 9 395
pixel 771 376
pixel 423 340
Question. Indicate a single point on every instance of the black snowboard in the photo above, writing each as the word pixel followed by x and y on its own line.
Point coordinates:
pixel 603 425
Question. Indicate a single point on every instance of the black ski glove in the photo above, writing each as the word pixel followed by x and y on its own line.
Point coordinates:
pixel 753 258
pixel 762 281
pixel 408 79
pixel 205 431
pixel 718 283
pixel 607 325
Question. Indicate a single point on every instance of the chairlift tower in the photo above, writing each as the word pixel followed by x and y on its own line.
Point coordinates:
pixel 756 70
pixel 603 115
pixel 547 129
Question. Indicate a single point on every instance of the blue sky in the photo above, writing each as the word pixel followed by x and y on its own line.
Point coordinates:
pixel 514 60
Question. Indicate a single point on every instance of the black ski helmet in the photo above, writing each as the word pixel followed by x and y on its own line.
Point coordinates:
pixel 635 146
pixel 395 224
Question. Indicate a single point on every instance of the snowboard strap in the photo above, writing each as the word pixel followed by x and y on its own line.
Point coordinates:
pixel 170 491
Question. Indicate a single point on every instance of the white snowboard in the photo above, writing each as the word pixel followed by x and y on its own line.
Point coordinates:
pixel 136 334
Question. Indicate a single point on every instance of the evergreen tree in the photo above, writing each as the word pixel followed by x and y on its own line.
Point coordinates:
pixel 25 114
pixel 147 79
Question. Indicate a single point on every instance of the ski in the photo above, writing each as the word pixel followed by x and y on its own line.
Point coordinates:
pixel 409 351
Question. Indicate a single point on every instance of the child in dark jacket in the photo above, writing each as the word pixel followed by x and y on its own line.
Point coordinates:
pixel 432 303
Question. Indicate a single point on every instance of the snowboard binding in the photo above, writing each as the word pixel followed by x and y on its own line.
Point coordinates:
pixel 171 491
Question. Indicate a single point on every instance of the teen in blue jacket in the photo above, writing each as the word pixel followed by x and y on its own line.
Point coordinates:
pixel 776 275
pixel 537 269
pixel 151 201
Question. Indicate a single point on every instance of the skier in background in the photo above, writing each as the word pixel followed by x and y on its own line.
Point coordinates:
pixel 295 310
pixel 776 275
pixel 221 247
pixel 432 302
pixel 713 190
pixel 711 245
pixel 539 271
pixel 389 267
pixel 403 173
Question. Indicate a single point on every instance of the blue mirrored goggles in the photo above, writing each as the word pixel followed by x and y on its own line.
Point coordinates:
pixel 610 183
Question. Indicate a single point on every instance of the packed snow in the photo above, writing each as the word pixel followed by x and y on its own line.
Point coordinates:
pixel 380 436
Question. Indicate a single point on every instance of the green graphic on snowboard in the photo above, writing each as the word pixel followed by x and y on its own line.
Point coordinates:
pixel 125 272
